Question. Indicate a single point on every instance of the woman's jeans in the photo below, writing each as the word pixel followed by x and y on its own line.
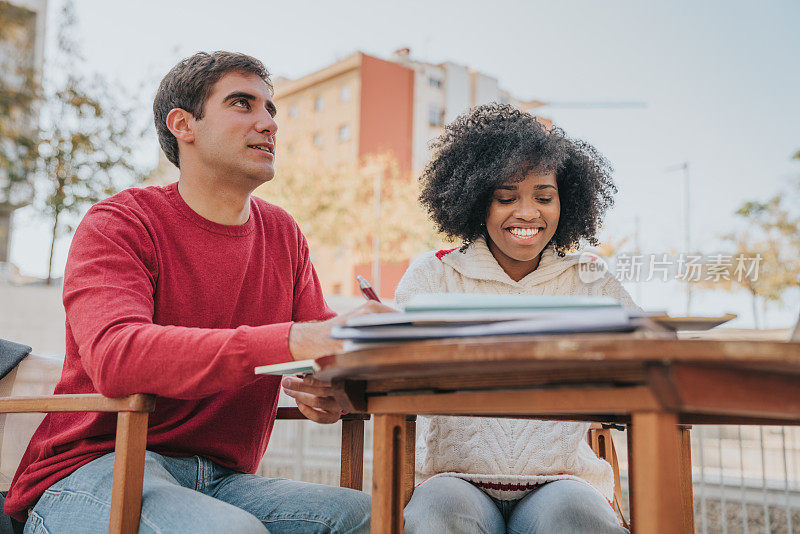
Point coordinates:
pixel 194 495
pixel 449 505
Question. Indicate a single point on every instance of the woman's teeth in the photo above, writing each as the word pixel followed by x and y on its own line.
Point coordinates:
pixel 524 232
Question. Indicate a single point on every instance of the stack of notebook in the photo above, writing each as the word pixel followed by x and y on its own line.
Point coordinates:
pixel 433 316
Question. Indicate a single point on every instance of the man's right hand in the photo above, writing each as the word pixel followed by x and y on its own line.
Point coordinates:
pixel 312 340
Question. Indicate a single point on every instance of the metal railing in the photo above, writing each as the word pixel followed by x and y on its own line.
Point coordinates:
pixel 746 479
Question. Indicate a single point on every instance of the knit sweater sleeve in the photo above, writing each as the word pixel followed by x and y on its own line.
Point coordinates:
pixel 424 275
pixel 611 287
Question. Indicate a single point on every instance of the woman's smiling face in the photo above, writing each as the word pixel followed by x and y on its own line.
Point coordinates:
pixel 521 220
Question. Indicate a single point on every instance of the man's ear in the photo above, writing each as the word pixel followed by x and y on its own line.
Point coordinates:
pixel 180 122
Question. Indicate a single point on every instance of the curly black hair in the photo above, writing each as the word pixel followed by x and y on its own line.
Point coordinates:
pixel 495 144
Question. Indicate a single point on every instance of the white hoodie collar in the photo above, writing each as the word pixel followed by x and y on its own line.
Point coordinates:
pixel 477 262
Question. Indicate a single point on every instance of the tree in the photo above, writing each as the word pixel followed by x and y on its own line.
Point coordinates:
pixel 19 92
pixel 773 235
pixel 335 206
pixel 611 247
pixel 87 141
pixel 759 265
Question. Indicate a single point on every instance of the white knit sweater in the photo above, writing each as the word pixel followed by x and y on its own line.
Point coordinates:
pixel 505 457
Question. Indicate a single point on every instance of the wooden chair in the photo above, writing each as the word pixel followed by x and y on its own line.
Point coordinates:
pixel 131 437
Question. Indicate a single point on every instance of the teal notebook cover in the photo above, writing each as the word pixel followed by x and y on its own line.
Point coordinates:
pixel 473 301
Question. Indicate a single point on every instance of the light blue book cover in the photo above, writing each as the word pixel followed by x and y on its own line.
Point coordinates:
pixel 473 301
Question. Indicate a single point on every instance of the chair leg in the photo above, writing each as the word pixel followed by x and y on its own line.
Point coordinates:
pixel 614 461
pixel 629 438
pixel 602 444
pixel 126 492
pixel 352 464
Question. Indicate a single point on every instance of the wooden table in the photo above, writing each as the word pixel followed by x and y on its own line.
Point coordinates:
pixel 652 382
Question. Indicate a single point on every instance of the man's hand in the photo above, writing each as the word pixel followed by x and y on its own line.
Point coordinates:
pixel 312 340
pixel 314 398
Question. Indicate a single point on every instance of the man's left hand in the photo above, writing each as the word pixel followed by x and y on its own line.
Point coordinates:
pixel 314 398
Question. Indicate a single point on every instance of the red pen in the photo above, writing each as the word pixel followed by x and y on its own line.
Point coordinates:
pixel 366 289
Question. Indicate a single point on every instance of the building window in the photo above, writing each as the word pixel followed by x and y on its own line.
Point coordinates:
pixel 435 115
pixel 344 132
pixel 293 112
pixel 344 94
pixel 318 104
pixel 436 83
pixel 317 139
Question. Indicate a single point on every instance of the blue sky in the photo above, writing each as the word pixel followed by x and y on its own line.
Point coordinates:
pixel 720 79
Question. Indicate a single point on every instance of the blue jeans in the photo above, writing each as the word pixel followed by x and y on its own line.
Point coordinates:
pixel 194 495
pixel 449 505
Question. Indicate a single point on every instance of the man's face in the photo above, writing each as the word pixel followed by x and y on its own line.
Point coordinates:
pixel 235 139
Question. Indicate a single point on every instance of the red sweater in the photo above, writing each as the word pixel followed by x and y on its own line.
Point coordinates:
pixel 160 300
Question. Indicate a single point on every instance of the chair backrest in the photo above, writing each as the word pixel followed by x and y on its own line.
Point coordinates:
pixel 35 375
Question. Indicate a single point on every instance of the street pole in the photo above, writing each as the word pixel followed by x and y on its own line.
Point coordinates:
pixel 687 236
pixel 687 244
pixel 637 250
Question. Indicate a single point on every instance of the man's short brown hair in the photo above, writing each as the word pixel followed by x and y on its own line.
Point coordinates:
pixel 188 85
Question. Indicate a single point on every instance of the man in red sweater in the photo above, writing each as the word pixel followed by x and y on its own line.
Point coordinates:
pixel 180 291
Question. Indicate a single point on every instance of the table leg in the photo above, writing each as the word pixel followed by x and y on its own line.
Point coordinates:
pixel 410 439
pixel 687 496
pixel 388 459
pixel 656 487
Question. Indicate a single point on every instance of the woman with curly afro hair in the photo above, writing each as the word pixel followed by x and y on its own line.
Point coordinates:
pixel 521 199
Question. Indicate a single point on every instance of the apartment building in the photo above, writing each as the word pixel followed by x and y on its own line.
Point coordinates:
pixel 442 92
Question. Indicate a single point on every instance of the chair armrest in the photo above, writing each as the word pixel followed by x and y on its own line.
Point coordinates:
pixel 88 402
pixel 292 413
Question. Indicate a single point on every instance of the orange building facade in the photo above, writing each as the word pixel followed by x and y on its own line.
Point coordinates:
pixel 355 107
